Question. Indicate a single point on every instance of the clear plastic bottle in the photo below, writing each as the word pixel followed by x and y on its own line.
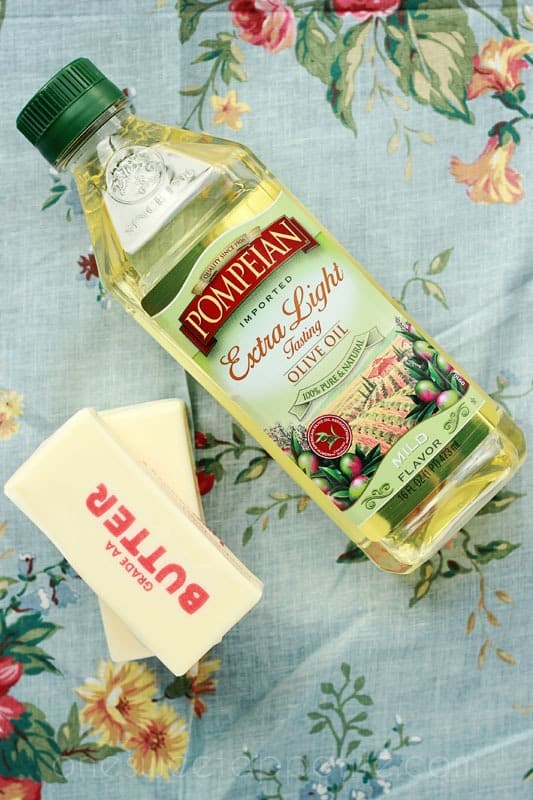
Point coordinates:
pixel 230 273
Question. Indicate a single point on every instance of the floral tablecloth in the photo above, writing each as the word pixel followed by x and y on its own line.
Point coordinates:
pixel 406 126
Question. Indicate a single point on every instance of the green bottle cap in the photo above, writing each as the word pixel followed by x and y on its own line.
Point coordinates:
pixel 65 106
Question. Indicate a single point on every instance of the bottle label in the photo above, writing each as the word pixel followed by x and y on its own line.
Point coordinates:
pixel 289 326
pixel 146 187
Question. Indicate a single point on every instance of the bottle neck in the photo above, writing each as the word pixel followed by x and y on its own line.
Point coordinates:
pixel 101 138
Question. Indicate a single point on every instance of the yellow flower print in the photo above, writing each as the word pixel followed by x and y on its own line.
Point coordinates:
pixel 11 407
pixel 498 66
pixel 118 700
pixel 203 683
pixel 489 178
pixel 11 403
pixel 159 746
pixel 228 110
pixel 8 427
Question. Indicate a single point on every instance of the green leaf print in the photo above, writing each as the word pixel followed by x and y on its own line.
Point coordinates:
pixel 500 502
pixel 190 12
pixel 314 50
pixel 440 262
pixel 20 640
pixel 510 11
pixel 71 742
pixel 254 470
pixel 497 549
pixel 32 751
pixel 341 92
pixel 434 53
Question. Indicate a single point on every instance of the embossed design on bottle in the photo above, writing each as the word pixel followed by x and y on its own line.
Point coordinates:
pixel 134 174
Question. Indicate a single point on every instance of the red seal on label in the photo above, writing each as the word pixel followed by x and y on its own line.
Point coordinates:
pixel 329 436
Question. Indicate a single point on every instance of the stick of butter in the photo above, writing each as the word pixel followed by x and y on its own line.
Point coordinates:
pixel 172 582
pixel 156 434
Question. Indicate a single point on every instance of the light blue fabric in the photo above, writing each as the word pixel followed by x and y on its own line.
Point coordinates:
pixel 62 350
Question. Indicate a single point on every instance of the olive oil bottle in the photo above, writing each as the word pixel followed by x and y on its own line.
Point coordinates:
pixel 247 290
